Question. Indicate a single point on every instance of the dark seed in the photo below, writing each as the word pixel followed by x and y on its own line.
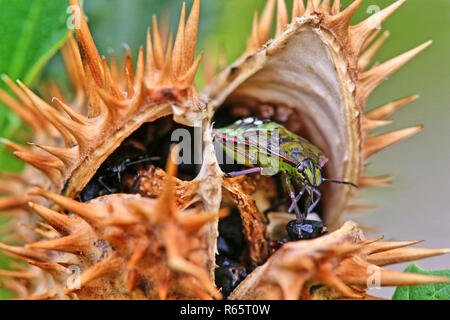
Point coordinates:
pixel 229 275
pixel 283 113
pixel 266 111
pixel 240 112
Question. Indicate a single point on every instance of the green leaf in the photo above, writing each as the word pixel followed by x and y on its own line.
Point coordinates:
pixel 424 292
pixel 30 34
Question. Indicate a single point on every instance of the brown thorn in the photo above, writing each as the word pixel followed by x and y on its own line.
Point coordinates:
pixel 103 268
pixel 388 109
pixel 365 59
pixel 193 223
pixel 83 134
pixel 78 117
pixel 150 60
pixel 191 31
pixel 296 10
pixel 369 125
pixel 165 28
pixel 83 210
pixel 316 4
pixel 128 63
pixel 158 50
pixel 404 255
pixel 359 275
pixel 336 8
pixel 61 222
pixel 360 32
pixel 43 233
pixel 140 70
pixel 17 91
pixel 16 274
pixel 49 113
pixel 51 166
pixel 78 242
pixel 87 44
pixel 178 59
pixel 14 146
pixel 68 156
pixel 78 62
pixel 370 39
pixel 370 79
pixel 130 87
pixel 55 269
pixel 38 255
pixel 9 188
pixel 138 253
pixel 292 286
pixel 166 207
pixel 178 263
pixel 14 202
pixel 112 105
pixel 25 114
pixel 115 73
pixel 110 85
pixel 282 17
pixel 265 24
pixel 383 246
pixel 188 78
pixel 132 280
pixel 253 42
pixel 325 7
pixel 74 64
pixel 209 68
pixel 16 286
pixel 309 7
pixel 166 74
pixel 375 144
pixel 340 22
pixel 330 279
pixel 20 93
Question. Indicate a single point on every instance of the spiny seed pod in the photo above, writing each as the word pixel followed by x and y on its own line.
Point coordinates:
pixel 90 201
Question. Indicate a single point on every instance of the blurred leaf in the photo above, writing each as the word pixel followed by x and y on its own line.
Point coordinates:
pixel 5 294
pixel 30 34
pixel 424 292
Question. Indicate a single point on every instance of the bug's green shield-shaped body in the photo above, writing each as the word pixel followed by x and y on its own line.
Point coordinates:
pixel 271 146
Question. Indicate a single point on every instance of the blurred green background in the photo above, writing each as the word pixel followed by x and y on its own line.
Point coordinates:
pixel 415 207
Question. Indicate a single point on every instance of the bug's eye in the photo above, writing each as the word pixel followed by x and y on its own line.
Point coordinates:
pixel 300 168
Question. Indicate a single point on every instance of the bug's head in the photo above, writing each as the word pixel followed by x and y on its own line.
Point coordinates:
pixel 311 171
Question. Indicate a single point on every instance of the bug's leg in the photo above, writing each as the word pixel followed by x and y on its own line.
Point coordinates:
pixel 104 185
pixel 135 183
pixel 297 198
pixel 241 173
pixel 290 188
pixel 315 202
pixel 142 161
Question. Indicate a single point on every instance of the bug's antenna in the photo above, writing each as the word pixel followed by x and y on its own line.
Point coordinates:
pixel 339 181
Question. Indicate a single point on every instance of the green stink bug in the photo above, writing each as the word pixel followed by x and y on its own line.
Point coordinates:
pixel 268 147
